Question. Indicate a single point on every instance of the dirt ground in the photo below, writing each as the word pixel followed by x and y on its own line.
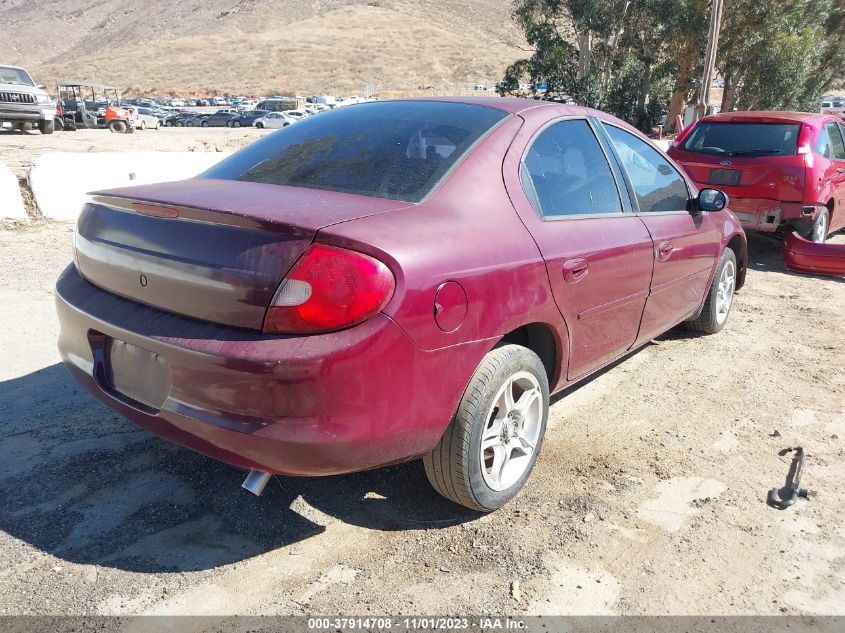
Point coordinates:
pixel 648 498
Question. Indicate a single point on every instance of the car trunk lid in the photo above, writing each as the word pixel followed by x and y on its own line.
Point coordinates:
pixel 210 249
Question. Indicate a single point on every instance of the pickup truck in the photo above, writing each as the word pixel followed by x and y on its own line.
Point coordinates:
pixel 22 102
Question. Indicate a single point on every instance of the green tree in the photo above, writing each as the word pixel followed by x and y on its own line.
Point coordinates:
pixel 639 59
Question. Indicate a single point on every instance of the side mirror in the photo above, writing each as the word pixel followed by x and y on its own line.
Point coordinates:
pixel 712 200
pixel 41 87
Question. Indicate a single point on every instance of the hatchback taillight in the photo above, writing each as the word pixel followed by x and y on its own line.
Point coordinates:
pixel 329 289
pixel 806 138
pixel 683 135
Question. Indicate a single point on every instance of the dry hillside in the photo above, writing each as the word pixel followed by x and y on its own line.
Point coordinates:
pixel 306 46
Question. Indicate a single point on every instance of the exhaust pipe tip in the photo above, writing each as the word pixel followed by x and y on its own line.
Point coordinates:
pixel 256 481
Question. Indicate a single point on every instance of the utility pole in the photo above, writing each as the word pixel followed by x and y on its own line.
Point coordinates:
pixel 710 57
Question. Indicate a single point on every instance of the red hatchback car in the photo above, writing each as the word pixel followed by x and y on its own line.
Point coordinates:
pixel 389 281
pixel 779 168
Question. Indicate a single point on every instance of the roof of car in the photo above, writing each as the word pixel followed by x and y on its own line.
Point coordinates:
pixel 761 115
pixel 508 104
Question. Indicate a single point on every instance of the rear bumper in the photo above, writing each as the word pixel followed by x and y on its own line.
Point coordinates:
pixel 809 257
pixel 315 405
pixel 760 214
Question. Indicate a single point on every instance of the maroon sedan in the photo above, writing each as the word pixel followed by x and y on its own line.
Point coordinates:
pixel 390 281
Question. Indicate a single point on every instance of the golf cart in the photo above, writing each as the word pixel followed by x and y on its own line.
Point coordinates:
pixel 88 105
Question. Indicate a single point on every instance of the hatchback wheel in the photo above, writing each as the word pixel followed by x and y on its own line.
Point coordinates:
pixel 719 299
pixel 491 445
pixel 818 229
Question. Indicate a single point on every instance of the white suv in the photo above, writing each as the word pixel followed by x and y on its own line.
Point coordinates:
pixel 22 102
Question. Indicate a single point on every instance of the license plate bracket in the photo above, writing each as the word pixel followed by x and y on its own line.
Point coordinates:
pixel 137 373
pixel 724 176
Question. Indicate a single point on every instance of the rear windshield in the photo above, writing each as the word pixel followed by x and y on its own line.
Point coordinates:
pixel 398 150
pixel 744 139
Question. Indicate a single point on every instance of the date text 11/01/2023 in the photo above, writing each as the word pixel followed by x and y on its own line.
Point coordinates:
pixel 414 623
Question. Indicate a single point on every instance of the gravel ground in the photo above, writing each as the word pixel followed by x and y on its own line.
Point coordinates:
pixel 648 497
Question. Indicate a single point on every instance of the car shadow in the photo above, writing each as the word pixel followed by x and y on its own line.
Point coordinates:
pixel 83 484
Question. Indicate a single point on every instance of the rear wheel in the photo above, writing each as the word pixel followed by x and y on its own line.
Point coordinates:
pixel 236 124
pixel 259 125
pixel 491 445
pixel 819 227
pixel 47 126
pixel 719 299
pixel 118 127
pixel 205 123
pixel 143 125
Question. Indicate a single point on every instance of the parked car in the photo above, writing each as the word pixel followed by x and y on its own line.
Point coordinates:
pixel 246 119
pixel 144 118
pixel 273 120
pixel 296 114
pixel 220 118
pixel 279 104
pixel 780 169
pixel 421 275
pixel 191 119
pixel 23 103
pixel 177 103
pixel 171 119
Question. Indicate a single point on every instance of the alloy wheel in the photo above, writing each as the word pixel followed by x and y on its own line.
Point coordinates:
pixel 725 291
pixel 512 432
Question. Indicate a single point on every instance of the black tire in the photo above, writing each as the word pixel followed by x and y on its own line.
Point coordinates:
pixel 236 124
pixel 189 124
pixel 260 126
pixel 180 124
pixel 454 467
pixel 47 127
pixel 710 321
pixel 143 125
pixel 205 123
pixel 118 127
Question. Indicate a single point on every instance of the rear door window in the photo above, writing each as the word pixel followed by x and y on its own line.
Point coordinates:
pixel 835 137
pixel 565 172
pixel 657 184
pixel 743 139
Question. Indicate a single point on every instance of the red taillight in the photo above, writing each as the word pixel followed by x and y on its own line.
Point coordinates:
pixel 806 138
pixel 328 289
pixel 683 135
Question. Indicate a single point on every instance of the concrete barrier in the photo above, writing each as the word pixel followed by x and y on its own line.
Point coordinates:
pixel 11 203
pixel 60 180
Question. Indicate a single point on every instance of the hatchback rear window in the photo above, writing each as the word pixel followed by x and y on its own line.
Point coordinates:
pixel 398 150
pixel 743 139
